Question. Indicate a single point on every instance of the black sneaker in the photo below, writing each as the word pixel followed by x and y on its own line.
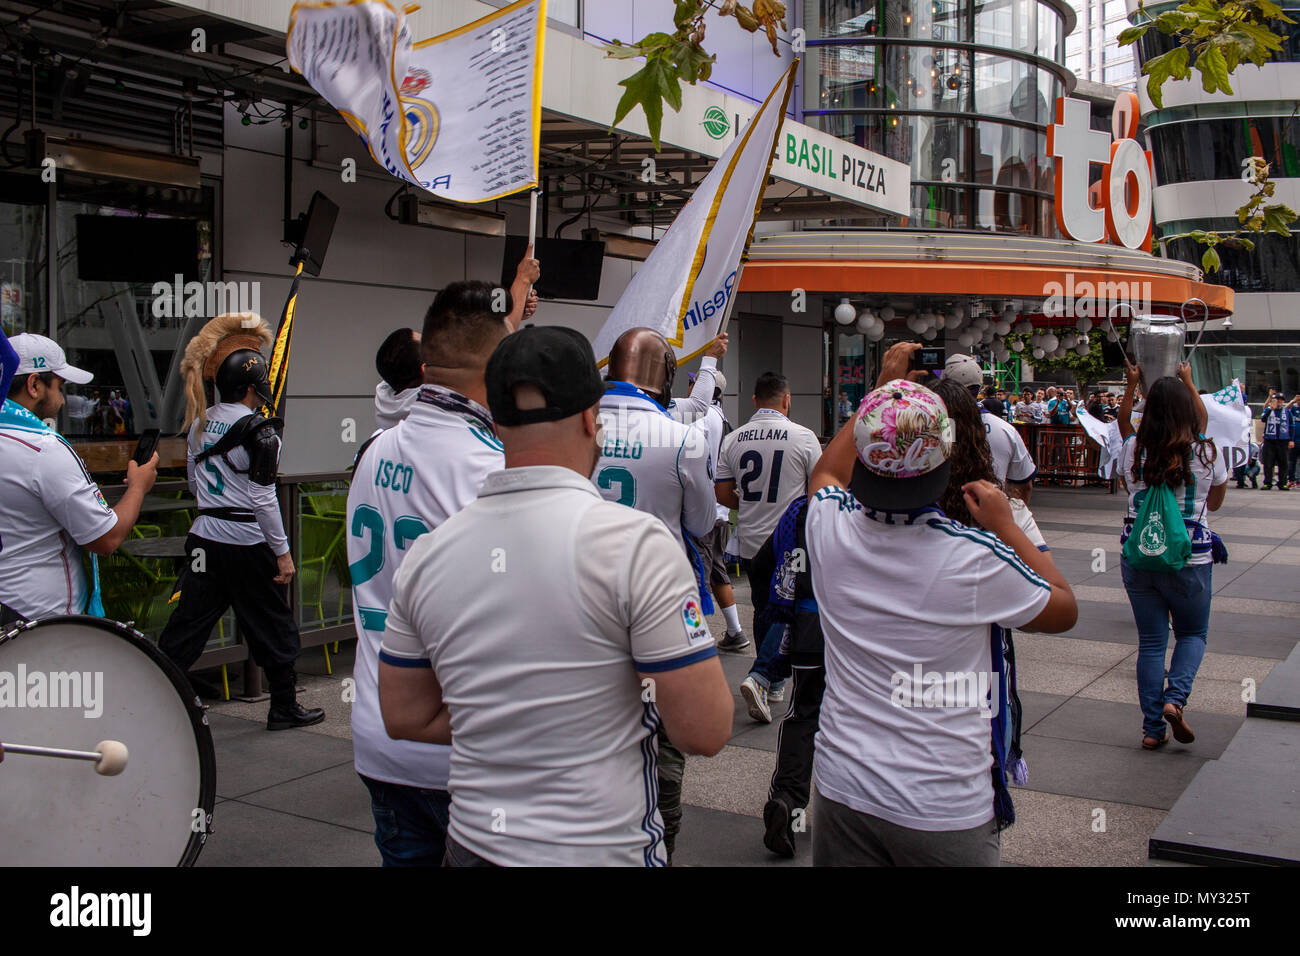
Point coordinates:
pixel 733 643
pixel 779 835
pixel 286 718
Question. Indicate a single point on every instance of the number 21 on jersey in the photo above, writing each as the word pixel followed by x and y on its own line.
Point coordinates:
pixel 751 475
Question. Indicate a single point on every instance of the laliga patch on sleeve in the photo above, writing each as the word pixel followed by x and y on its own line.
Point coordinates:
pixel 99 496
pixel 693 620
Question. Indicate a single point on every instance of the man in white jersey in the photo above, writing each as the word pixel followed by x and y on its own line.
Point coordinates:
pixel 48 503
pixel 408 481
pixel 237 554
pixel 545 633
pixel 653 463
pixel 1012 463
pixel 762 467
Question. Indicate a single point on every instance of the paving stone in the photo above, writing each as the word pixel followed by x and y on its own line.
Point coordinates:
pixel 1125 774
pixel 245 835
pixel 250 757
pixel 335 796
pixel 1120 724
pixel 1055 830
pixel 712 838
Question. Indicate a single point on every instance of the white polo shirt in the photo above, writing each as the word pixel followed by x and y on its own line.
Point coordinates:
pixel 899 598
pixel 537 606
pixel 654 463
pixel 1011 459
pixel 411 479
pixel 770 459
pixel 48 506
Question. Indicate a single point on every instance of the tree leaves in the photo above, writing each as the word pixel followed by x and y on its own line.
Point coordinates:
pixel 673 58
pixel 1171 65
pixel 1210 260
pixel 1213 69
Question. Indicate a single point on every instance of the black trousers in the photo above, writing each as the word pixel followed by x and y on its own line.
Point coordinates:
pixel 1274 453
pixel 1293 459
pixel 242 577
pixel 794 744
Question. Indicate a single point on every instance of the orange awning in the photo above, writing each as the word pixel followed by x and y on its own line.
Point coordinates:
pixel 909 277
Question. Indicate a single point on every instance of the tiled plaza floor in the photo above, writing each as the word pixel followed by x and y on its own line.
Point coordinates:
pixel 292 797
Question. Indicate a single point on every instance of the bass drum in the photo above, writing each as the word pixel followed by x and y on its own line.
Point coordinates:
pixel 71 682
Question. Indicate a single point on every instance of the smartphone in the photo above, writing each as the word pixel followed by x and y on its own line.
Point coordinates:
pixel 146 446
pixel 928 359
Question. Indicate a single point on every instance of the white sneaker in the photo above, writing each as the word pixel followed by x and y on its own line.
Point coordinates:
pixel 755 700
pixel 776 695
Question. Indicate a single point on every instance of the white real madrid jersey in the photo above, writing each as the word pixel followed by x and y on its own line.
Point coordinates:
pixel 1011 459
pixel 410 479
pixel 655 464
pixel 48 506
pixel 770 459
pixel 538 606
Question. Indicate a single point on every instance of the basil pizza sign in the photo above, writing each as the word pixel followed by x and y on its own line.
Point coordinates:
pixel 830 165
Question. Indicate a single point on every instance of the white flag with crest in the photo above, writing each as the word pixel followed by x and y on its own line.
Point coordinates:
pixel 458 115
pixel 685 286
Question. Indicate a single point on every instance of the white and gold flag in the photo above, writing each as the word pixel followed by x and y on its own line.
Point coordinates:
pixel 685 286
pixel 458 115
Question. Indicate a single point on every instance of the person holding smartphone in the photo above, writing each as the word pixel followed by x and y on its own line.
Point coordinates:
pixel 49 506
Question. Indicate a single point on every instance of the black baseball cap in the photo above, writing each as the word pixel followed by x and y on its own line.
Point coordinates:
pixel 557 360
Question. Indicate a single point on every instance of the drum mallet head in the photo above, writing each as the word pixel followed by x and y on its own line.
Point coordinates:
pixel 112 757
pixel 109 756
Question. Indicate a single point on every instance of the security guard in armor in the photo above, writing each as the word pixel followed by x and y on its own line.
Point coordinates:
pixel 237 553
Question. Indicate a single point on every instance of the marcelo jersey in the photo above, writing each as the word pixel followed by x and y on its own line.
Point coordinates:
pixel 1011 459
pixel 410 479
pixel 655 464
pixel 48 506
pixel 770 458
pixel 218 483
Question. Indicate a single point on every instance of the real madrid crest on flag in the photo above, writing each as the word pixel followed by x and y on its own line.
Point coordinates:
pixel 458 115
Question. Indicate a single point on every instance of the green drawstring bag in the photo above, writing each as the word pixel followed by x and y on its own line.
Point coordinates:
pixel 1159 540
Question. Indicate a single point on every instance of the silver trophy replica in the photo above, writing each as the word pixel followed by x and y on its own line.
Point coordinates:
pixel 1157 341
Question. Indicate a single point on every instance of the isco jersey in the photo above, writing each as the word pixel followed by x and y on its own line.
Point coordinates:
pixel 48 506
pixel 410 479
pixel 655 464
pixel 217 483
pixel 770 459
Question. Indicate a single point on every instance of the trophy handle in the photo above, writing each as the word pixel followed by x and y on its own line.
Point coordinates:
pixel 1205 320
pixel 1109 323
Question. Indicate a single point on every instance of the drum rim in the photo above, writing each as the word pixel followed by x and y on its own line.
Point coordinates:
pixel 190 700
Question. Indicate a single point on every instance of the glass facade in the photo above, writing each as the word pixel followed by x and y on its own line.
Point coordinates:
pixel 1153 43
pixel 961 92
pixel 1216 149
pixel 1092 51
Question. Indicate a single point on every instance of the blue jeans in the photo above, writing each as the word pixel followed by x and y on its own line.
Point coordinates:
pixel 771 667
pixel 410 823
pixel 1157 597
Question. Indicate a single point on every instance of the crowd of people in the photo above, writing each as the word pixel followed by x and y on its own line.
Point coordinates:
pixel 536 548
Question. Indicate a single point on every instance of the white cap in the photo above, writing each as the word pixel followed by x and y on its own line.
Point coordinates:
pixel 38 354
pixel 719 381
pixel 963 370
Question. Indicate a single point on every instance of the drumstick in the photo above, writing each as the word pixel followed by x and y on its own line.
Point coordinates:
pixel 109 756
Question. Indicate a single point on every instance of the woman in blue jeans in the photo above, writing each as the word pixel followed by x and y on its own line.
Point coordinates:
pixel 1169 448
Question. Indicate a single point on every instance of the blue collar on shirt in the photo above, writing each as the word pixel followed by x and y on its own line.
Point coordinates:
pixel 905 517
pixel 628 390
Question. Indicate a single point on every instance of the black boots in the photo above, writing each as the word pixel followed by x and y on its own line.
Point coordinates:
pixel 286 716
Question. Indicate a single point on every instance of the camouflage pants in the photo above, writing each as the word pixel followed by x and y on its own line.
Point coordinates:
pixel 672 765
